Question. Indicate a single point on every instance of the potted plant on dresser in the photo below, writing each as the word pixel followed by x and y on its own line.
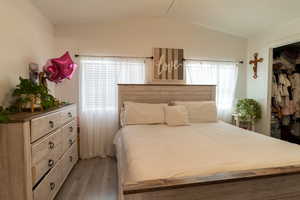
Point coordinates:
pixel 30 96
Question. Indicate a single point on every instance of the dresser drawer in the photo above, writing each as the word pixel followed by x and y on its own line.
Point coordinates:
pixel 68 114
pixel 69 134
pixel 69 159
pixel 44 125
pixel 45 154
pixel 50 185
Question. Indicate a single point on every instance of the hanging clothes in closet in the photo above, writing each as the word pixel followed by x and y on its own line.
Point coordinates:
pixel 286 94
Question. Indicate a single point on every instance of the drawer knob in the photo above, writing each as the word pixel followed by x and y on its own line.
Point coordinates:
pixel 71 128
pixel 70 142
pixel 51 145
pixel 70 114
pixel 52 186
pixel 51 124
pixel 71 158
pixel 51 163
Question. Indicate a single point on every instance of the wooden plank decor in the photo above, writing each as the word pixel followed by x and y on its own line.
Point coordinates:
pixel 168 66
pixel 164 93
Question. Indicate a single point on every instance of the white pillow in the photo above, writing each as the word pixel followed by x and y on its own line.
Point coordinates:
pixel 200 111
pixel 144 113
pixel 176 115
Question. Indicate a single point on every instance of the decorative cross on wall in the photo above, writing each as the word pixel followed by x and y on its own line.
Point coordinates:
pixel 254 63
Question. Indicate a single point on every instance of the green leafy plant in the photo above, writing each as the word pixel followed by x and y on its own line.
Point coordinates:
pixel 29 92
pixel 27 87
pixel 248 110
pixel 48 101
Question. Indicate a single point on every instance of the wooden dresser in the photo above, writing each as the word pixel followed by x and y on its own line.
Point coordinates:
pixel 37 152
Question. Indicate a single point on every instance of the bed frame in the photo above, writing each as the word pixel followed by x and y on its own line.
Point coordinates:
pixel 281 183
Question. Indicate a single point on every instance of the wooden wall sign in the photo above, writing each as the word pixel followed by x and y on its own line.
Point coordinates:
pixel 254 63
pixel 168 66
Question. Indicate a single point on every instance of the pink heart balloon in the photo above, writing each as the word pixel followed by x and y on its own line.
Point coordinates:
pixel 65 65
pixel 51 71
pixel 60 68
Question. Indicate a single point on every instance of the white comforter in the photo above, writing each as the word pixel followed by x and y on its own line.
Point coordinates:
pixel 159 151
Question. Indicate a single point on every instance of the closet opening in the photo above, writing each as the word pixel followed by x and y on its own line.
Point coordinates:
pixel 285 103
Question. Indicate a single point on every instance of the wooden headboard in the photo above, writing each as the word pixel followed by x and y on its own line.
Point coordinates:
pixel 162 93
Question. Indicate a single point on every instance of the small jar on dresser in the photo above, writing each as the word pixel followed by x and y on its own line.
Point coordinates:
pixel 37 152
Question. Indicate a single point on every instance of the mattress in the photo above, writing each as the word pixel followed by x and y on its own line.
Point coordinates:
pixel 151 152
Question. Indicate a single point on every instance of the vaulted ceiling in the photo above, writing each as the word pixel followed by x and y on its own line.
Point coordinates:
pixel 244 18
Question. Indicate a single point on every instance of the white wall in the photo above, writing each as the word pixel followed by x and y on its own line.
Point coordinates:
pixel 25 36
pixel 137 38
pixel 259 88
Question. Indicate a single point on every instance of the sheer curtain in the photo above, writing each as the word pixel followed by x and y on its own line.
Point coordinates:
pixel 99 98
pixel 222 74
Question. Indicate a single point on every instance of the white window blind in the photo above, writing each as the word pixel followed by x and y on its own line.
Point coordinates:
pixel 100 77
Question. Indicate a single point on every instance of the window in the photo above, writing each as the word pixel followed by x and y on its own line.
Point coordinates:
pixel 99 78
pixel 223 75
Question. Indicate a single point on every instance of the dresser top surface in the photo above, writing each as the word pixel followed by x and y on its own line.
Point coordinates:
pixel 27 116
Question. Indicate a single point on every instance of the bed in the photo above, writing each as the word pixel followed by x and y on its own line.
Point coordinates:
pixel 211 161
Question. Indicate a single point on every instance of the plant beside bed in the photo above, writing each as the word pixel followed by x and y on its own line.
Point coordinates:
pixel 248 110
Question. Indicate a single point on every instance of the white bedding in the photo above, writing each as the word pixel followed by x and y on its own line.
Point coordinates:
pixel 159 151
